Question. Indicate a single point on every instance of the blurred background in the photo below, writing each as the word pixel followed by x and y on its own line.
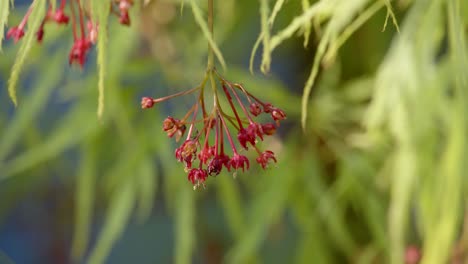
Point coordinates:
pixel 376 176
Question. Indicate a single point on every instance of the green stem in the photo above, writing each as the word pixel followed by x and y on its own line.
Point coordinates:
pixel 210 65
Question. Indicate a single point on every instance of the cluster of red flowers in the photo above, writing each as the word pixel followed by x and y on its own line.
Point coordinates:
pixel 210 151
pixel 88 36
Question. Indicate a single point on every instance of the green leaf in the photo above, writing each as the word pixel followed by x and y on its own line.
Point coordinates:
pixel 274 13
pixel 117 217
pixel 102 15
pixel 254 51
pixel 351 28
pixel 4 11
pixel 185 216
pixel 265 209
pixel 308 26
pixel 390 14
pixel 84 198
pixel 146 186
pixel 197 13
pixel 230 199
pixel 68 133
pixel 266 58
pixel 34 21
pixel 322 7
pixel 36 102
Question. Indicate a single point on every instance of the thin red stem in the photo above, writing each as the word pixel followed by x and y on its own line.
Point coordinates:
pixel 232 106
pixel 241 104
pixel 207 133
pixel 249 94
pixel 258 150
pixel 72 10
pixel 239 86
pixel 216 137
pixel 162 99
pixel 25 19
pixel 193 123
pixel 80 11
pixel 228 134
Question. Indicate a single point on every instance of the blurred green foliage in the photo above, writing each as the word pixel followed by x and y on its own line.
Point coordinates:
pixel 378 166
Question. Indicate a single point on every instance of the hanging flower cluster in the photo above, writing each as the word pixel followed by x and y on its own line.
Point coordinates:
pixel 84 36
pixel 203 152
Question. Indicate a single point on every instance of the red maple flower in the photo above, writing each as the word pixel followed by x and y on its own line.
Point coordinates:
pixel 16 33
pixel 78 52
pixel 239 161
pixel 216 127
pixel 265 158
pixel 60 17
pixel 197 177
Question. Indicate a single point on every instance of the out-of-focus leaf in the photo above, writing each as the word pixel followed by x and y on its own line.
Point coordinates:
pixel 36 102
pixel 342 15
pixel 441 237
pixel 103 10
pixel 146 185
pixel 4 11
pixel 67 134
pixel 185 226
pixel 85 193
pixel 230 200
pixel 266 208
pixel 118 214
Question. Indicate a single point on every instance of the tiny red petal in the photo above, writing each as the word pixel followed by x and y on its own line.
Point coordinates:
pixel 255 109
pixel 40 34
pixel 278 114
pixel 16 33
pixel 93 32
pixel 239 161
pixel 216 164
pixel 206 154
pixel 173 127
pixel 197 176
pixel 79 50
pixel 254 130
pixel 186 153
pixel 269 129
pixel 244 136
pixel 265 158
pixel 60 17
pixel 124 18
pixel 125 5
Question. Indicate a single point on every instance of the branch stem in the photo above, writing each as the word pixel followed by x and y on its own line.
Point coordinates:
pixel 210 65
